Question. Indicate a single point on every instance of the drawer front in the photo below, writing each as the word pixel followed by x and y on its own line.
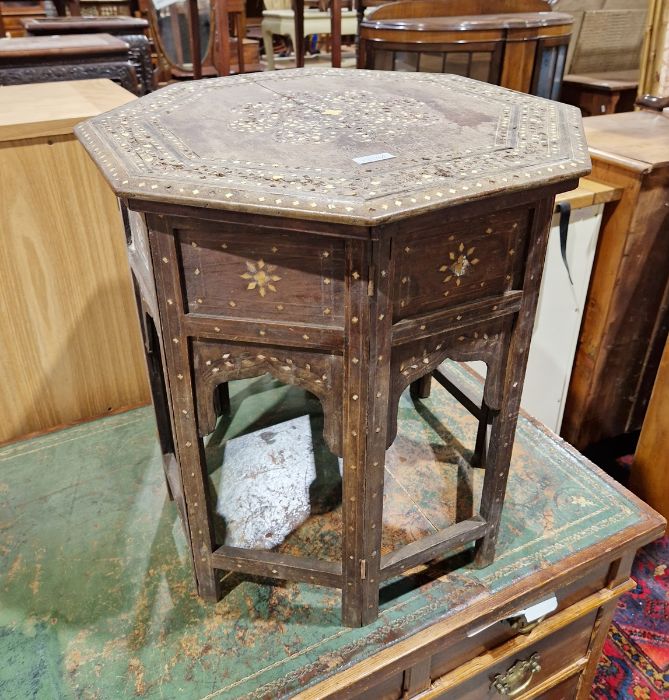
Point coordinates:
pixel 551 655
pixel 263 275
pixel 562 691
pixel 461 262
pixel 485 641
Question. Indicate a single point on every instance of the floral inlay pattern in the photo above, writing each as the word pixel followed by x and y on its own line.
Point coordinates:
pixel 461 261
pixel 260 277
pixel 444 131
pixel 309 117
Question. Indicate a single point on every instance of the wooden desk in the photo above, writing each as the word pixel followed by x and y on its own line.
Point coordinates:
pixel 567 531
pixel 70 343
pixel 354 278
pixel 627 316
pixel 40 59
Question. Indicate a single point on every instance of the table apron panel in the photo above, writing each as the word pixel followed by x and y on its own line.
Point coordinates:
pixel 278 276
pixel 428 325
pixel 308 336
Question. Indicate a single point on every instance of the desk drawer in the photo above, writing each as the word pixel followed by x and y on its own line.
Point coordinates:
pixel 534 664
pixel 454 655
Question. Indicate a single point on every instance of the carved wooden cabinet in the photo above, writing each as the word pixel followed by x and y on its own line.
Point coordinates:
pixel 41 59
pixel 346 232
pixel 131 30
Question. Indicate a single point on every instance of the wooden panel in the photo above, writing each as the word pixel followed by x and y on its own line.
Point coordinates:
pixel 70 342
pixel 467 259
pixel 518 66
pixel 282 277
pixel 562 691
pixel 650 473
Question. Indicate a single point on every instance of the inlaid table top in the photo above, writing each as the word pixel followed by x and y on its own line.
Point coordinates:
pixel 359 147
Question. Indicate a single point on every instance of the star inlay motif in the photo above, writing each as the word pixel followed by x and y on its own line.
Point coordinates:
pixel 260 277
pixel 461 261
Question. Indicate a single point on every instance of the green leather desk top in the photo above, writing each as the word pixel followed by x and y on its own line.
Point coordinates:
pixel 96 592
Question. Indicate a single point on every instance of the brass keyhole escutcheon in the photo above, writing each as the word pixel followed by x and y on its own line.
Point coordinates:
pixel 518 677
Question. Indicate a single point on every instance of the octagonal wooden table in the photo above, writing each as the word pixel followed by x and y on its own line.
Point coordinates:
pixel 345 231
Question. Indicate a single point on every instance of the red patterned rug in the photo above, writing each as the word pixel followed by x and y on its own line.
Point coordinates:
pixel 635 659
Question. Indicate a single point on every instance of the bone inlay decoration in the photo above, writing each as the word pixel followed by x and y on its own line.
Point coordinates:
pixel 461 261
pixel 260 277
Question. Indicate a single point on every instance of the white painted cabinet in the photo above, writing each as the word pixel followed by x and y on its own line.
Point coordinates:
pixel 559 316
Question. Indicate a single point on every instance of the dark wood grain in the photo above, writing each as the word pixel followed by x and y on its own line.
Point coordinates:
pixel 352 306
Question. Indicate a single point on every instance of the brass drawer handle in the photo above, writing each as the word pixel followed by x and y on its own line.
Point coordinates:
pixel 518 677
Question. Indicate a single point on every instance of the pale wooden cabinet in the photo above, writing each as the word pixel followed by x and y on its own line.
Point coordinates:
pixel 70 341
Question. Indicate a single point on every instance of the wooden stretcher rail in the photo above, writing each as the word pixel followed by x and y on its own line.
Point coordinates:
pixel 428 548
pixel 274 565
pixel 427 325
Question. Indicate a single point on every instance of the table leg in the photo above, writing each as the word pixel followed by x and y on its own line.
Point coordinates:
pixel 189 448
pixel 269 47
pixel 366 391
pixel 503 423
pixel 420 389
pixel 335 32
pixel 481 447
pixel 298 9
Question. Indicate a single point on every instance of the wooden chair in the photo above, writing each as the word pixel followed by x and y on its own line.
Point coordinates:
pixel 180 30
pixel 279 18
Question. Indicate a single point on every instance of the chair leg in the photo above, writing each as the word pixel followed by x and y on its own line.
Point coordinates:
pixel 269 49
